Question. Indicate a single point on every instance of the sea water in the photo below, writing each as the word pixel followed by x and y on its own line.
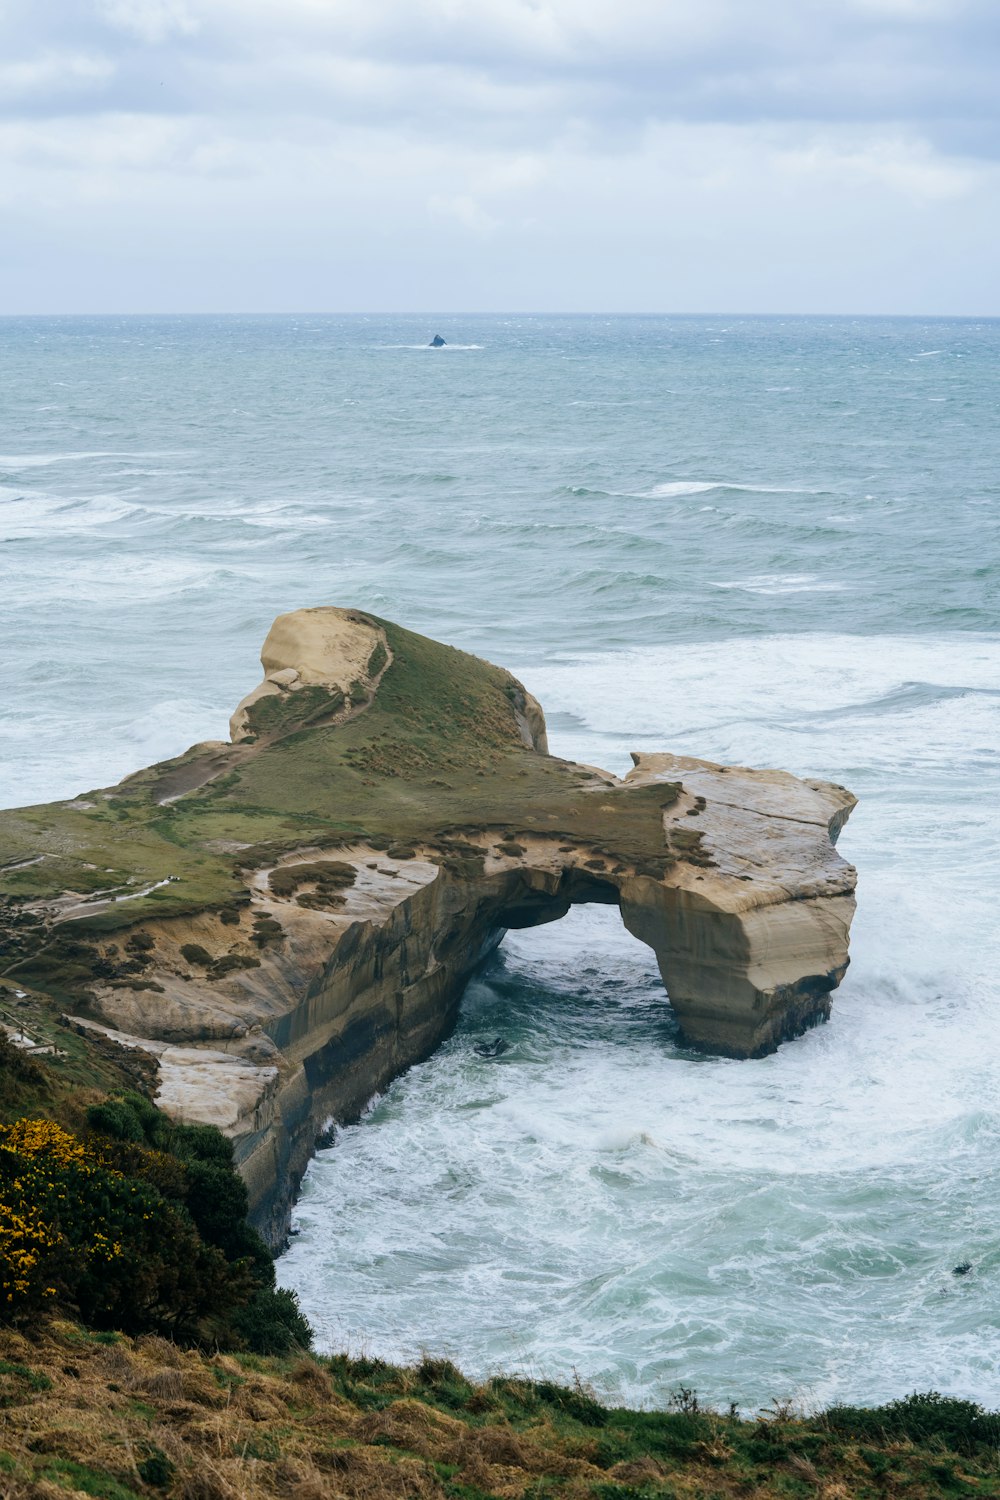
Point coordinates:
pixel 767 541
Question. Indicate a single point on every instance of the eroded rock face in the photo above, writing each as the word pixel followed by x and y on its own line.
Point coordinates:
pixel 337 651
pixel 750 947
pixel 288 922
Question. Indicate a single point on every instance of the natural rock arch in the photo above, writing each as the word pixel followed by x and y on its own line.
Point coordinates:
pixel 288 920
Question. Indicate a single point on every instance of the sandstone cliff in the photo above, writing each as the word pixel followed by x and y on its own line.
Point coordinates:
pixel 287 921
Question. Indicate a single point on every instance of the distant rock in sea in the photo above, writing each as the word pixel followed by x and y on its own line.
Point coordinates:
pixel 437 342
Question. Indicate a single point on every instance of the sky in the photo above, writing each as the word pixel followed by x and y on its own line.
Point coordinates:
pixel 771 156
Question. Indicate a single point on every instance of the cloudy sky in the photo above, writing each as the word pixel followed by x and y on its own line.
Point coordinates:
pixel 563 155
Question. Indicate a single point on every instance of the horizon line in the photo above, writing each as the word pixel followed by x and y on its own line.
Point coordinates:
pixel 504 313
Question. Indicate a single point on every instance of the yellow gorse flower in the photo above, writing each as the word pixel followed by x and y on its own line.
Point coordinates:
pixel 41 1153
pixel 43 1137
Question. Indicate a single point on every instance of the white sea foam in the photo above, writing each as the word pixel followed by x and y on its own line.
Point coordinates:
pixel 681 487
pixel 690 687
pixel 293 517
pixel 18 461
pixel 142 581
pixel 786 1227
pixel 781 583
pixel 29 460
pixel 775 1230
pixel 115 745
pixel 43 515
pixel 677 487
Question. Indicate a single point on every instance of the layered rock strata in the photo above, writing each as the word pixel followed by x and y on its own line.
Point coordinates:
pixel 288 921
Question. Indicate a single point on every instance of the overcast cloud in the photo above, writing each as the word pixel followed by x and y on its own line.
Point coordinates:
pixel 686 155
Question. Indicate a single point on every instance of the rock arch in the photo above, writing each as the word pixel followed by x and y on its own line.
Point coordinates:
pixel 287 921
pixel 751 944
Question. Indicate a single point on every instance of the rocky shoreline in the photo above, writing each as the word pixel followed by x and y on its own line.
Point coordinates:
pixel 286 922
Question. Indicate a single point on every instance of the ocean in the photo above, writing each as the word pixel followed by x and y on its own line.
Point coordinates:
pixel 772 541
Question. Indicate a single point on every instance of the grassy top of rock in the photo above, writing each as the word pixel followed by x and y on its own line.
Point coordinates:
pixel 433 753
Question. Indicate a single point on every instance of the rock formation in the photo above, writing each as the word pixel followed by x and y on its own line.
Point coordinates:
pixel 287 921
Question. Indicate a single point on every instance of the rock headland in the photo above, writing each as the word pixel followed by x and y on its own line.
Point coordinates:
pixel 286 921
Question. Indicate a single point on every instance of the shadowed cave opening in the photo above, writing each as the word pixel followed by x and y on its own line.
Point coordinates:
pixel 531 908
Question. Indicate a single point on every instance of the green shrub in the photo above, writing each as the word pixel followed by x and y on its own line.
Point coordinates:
pixel 201 1143
pixel 194 953
pixel 575 1403
pixel 925 1417
pixel 156 1470
pixel 78 1232
pixel 134 1238
pixel 267 930
pixel 216 1200
pixel 115 1118
pixel 154 1124
pixel 272 1322
pixel 229 962
pixel 160 1169
pixel 128 1116
pixel 329 875
pixel 447 1385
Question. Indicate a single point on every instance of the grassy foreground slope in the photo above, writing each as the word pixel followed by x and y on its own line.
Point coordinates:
pixel 117 1418
pixel 90 1411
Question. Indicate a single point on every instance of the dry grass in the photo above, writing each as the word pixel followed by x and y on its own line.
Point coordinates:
pixel 89 1415
pixel 99 1415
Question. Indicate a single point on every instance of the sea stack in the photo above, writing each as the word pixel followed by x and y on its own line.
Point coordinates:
pixel 286 921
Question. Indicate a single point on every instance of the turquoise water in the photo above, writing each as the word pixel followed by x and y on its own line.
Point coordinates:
pixel 763 540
